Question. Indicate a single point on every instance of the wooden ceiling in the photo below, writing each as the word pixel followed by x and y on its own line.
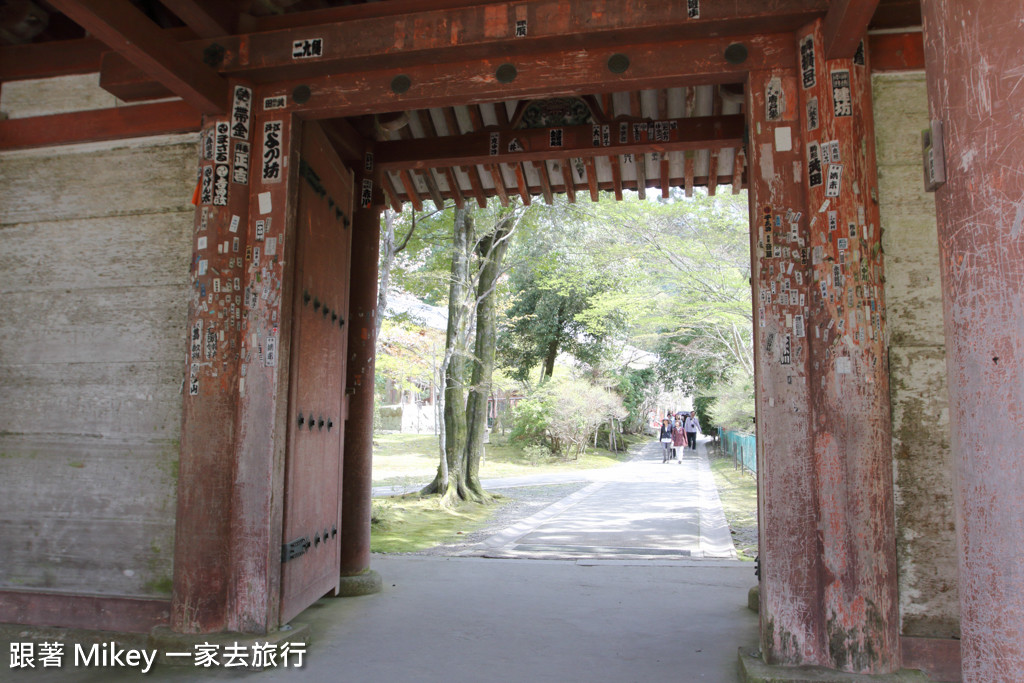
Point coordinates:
pixel 650 140
pixel 644 140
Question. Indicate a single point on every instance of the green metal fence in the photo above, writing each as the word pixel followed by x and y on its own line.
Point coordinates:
pixel 742 448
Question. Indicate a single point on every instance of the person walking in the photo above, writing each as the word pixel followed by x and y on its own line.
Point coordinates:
pixel 666 439
pixel 692 427
pixel 678 438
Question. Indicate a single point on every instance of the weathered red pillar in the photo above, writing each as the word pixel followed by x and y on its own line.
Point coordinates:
pixel 850 391
pixel 791 629
pixel 357 482
pixel 973 60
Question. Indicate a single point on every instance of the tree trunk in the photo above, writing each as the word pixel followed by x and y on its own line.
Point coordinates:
pixel 449 480
pixel 492 251
pixel 549 360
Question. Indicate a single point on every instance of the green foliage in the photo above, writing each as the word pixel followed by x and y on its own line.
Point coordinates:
pixel 565 414
pixel 639 389
pixel 734 405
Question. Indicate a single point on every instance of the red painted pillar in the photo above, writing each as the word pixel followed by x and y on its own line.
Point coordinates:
pixel 791 630
pixel 846 334
pixel 362 338
pixel 973 58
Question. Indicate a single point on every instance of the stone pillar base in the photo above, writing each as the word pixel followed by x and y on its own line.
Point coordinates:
pixel 754 598
pixel 753 670
pixel 365 583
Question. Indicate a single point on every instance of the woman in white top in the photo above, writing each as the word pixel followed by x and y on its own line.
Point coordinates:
pixel 692 427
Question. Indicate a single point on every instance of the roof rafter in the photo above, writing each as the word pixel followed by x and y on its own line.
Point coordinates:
pixel 700 132
pixel 128 31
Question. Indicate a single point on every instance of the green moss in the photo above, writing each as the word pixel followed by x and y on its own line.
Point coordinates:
pixel 161 586
pixel 77 464
pixel 405 524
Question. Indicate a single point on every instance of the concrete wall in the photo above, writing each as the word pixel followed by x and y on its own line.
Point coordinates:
pixel 926 539
pixel 95 242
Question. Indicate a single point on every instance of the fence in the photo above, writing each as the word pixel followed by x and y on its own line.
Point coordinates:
pixel 742 447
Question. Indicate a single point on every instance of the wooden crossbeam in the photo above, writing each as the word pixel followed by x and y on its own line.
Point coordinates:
pixel 128 31
pixel 895 51
pixel 432 188
pixel 425 34
pixel 701 132
pixel 44 60
pixel 366 87
pixel 845 25
pixel 98 125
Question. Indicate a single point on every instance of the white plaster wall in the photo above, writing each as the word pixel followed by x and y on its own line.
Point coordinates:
pixel 926 539
pixel 95 242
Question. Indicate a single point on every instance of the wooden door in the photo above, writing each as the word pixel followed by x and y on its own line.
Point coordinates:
pixel 313 463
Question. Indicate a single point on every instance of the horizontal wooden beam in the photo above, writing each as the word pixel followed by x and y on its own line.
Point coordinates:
pixel 539 144
pixel 845 26
pixel 94 612
pixel 127 30
pixel 562 73
pixel 609 186
pixel 442 34
pixel 380 39
pixel 48 59
pixel 98 125
pixel 896 51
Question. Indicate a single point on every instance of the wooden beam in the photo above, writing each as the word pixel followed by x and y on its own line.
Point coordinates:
pixel 570 181
pixel 688 164
pixel 207 19
pixel 499 183
pixel 845 25
pixel 425 35
pixel 896 51
pixel 350 146
pixel 738 160
pixel 48 59
pixel 477 185
pixel 410 190
pixel 64 610
pixel 701 132
pixel 432 188
pixel 367 89
pixel 663 178
pixel 713 173
pixel 616 176
pixel 524 190
pixel 391 192
pixel 128 31
pixel 640 163
pixel 591 177
pixel 453 187
pixel 97 125
pixel 545 182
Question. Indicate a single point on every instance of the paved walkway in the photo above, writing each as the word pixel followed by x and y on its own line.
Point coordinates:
pixel 643 509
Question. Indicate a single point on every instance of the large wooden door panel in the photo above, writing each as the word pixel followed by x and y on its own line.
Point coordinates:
pixel 313 464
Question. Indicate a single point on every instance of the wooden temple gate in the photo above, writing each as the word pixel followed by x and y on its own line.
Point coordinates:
pixel 294 169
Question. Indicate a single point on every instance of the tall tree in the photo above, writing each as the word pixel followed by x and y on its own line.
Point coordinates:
pixel 491 251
